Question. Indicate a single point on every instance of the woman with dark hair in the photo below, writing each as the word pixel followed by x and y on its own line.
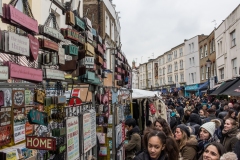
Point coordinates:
pixel 230 132
pixel 186 143
pixel 213 151
pixel 203 114
pixel 231 114
pixel 158 147
pixel 162 125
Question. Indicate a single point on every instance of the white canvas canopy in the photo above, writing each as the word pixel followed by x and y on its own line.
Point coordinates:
pixel 138 94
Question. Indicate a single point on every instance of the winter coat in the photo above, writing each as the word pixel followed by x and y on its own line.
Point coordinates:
pixel 145 156
pixel 189 151
pixel 222 114
pixel 134 144
pixel 230 139
pixel 237 146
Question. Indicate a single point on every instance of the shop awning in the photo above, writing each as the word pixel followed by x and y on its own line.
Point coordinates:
pixel 233 90
pixel 224 86
pixel 203 86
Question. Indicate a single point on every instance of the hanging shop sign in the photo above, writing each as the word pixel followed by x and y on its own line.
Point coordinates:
pixel 79 23
pixel 16 44
pixel 5 136
pixel 89 48
pixel 88 62
pixel 73 35
pixel 100 49
pixel 18 98
pixel 87 132
pixel 4 73
pixel 61 55
pixel 48 45
pixel 36 117
pixel 34 46
pixel 88 23
pixel 41 143
pixel 72 138
pixel 71 49
pixel 54 74
pixel 19 133
pixel 51 33
pixel 5 116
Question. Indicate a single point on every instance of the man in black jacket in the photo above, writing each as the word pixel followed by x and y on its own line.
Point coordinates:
pixel 180 112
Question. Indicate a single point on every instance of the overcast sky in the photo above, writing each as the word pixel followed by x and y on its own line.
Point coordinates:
pixel 156 26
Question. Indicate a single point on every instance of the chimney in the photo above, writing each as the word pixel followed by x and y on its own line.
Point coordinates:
pixel 133 64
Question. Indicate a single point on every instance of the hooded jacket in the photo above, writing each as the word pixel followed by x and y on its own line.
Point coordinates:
pixel 134 144
pixel 189 151
pixel 237 146
pixel 230 139
pixel 146 156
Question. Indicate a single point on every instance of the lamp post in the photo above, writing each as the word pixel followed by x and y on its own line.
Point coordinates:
pixel 208 66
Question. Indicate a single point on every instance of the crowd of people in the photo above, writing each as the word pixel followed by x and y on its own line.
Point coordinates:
pixel 195 129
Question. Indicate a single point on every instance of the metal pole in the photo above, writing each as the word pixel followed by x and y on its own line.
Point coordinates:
pixel 94 150
pixel 113 57
pixel 208 81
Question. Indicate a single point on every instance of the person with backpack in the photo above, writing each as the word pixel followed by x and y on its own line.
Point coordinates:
pixel 158 147
pixel 134 139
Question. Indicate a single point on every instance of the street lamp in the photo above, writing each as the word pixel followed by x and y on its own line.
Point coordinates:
pixel 208 66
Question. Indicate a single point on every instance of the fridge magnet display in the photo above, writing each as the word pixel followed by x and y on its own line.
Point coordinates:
pixel 18 98
pixel 5 116
pixel 7 96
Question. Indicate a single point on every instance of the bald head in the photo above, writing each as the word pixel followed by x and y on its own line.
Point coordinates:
pixel 230 105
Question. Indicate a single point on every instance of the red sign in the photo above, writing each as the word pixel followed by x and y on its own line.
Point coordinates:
pixel 34 46
pixel 41 143
pixel 76 92
pixel 47 44
pixel 22 72
pixel 74 101
pixel 22 19
pixel 28 128
pixel 5 135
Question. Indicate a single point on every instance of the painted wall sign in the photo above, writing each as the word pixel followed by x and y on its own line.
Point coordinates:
pixel 80 23
pixel 19 116
pixel 71 49
pixel 41 143
pixel 61 56
pixel 73 35
pixel 22 72
pixel 47 44
pixel 18 98
pixel 34 46
pixel 5 136
pixel 5 116
pixel 23 19
pixel 4 73
pixel 36 117
pixel 54 74
pixel 51 32
pixel 72 138
pixel 18 44
pixel 87 132
pixel 19 133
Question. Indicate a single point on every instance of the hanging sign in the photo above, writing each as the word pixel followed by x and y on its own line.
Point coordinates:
pixel 23 19
pixel 36 117
pixel 72 138
pixel 5 116
pixel 71 49
pixel 87 61
pixel 87 132
pixel 47 44
pixel 34 46
pixel 41 143
pixel 22 72
pixel 18 98
pixel 79 23
pixel 19 133
pixel 51 33
pixel 4 73
pixel 61 56
pixel 18 44
pixel 5 136
pixel 73 35
pixel 54 74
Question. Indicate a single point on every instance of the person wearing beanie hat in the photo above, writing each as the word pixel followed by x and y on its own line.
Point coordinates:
pixel 207 135
pixel 187 143
pixel 229 156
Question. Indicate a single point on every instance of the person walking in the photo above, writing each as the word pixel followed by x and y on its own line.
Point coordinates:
pixel 162 125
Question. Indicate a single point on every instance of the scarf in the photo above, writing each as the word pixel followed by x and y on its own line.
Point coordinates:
pixel 230 132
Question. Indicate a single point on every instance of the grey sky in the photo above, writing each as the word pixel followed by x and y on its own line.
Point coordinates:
pixel 156 26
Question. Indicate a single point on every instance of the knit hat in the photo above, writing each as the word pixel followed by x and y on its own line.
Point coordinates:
pixel 210 127
pixel 184 128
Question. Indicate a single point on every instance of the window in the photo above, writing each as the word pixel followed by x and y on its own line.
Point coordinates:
pixel 214 69
pixel 149 75
pixel 175 54
pixel 175 66
pixel 181 64
pixel 233 38
pixel 193 61
pixel 201 52
pixel 144 76
pixel 192 47
pixel 180 52
pixel 149 66
pixel 210 44
pixel 220 48
pixel 213 45
pixel 170 68
pixel 149 84
pixel 234 67
pixel 169 57
pixel 221 73
pixel 190 61
pixel 160 61
pixel 176 78
pixel 160 71
pixel 192 75
pixel 205 50
pixel 202 71
pixel 164 71
pixel 112 31
pixel 182 77
pixel 107 24
pixel 163 60
pixel 170 79
pixel 161 81
pixel 206 68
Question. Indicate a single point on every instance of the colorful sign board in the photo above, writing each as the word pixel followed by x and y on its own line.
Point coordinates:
pixel 34 46
pixel 51 32
pixel 19 133
pixel 4 73
pixel 72 138
pixel 54 74
pixel 36 117
pixel 5 116
pixel 18 44
pixel 41 143
pixel 93 127
pixel 87 132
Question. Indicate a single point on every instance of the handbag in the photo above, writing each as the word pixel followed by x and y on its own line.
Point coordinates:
pixel 39 96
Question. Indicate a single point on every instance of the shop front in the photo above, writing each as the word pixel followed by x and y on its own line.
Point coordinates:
pixel 191 89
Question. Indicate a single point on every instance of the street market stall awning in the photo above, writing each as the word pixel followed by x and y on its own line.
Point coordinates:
pixel 234 90
pixel 203 86
pixel 138 94
pixel 224 86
